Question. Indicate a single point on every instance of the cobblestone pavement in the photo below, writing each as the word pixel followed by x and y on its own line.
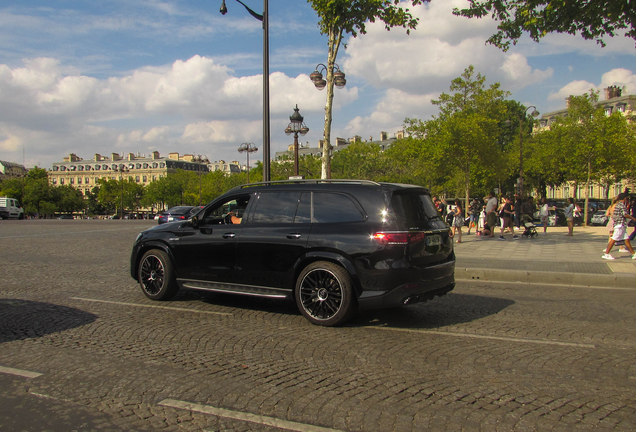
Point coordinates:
pixel 82 349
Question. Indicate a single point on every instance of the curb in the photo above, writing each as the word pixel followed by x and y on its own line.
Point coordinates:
pixel 588 280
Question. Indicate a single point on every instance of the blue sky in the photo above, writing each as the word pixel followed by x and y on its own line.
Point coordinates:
pixel 86 77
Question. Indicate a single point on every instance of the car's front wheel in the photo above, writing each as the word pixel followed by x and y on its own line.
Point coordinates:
pixel 325 295
pixel 156 276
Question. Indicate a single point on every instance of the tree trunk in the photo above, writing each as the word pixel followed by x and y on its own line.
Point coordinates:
pixel 467 202
pixel 587 191
pixel 335 37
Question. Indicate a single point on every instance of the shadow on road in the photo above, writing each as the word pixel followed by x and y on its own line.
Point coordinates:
pixel 439 312
pixel 24 319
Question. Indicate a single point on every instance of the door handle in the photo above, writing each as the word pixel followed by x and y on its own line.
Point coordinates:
pixel 293 236
pixel 229 235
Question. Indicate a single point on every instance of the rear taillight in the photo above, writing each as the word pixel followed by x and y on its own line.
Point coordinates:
pixel 399 238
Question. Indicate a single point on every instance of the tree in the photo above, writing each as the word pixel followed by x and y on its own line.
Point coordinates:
pixel 339 17
pixel 593 19
pixel 585 146
pixel 464 134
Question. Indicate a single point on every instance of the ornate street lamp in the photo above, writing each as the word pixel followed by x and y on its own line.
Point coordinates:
pixel 534 113
pixel 296 127
pixel 320 83
pixel 334 76
pixel 266 130
pixel 122 170
pixel 249 148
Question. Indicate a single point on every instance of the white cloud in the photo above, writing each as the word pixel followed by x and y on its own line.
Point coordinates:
pixel 390 112
pixel 438 51
pixel 618 77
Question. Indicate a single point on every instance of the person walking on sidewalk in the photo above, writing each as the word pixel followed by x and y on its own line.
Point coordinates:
pixel 506 218
pixel 620 216
pixel 491 213
pixel 474 209
pixel 569 216
pixel 544 213
pixel 458 220
pixel 517 208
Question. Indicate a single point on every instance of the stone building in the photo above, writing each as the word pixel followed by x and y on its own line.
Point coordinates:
pixel 384 142
pixel 11 170
pixel 614 102
pixel 83 174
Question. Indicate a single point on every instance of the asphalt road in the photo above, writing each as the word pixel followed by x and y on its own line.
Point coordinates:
pixel 82 349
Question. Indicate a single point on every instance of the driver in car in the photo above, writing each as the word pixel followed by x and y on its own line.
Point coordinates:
pixel 242 205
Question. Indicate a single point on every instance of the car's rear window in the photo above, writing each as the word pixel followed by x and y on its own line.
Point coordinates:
pixel 413 207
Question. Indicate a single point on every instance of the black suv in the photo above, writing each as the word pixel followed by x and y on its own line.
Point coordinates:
pixel 332 245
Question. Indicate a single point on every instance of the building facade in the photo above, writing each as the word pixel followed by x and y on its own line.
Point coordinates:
pixel 84 174
pixel 11 170
pixel 614 102
pixel 341 143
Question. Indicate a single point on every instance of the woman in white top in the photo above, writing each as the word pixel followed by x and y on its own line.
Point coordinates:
pixel 543 214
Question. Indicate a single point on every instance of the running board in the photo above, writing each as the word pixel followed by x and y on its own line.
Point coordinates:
pixel 250 290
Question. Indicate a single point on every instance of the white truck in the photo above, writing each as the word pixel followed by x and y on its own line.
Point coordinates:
pixel 10 208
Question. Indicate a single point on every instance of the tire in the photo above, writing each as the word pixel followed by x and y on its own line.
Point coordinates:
pixel 324 294
pixel 156 276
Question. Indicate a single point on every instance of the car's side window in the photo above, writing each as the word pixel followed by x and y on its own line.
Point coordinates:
pixel 236 205
pixel 276 207
pixel 335 207
pixel 303 214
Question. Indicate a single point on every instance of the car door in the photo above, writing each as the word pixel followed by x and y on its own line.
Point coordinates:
pixel 273 239
pixel 207 251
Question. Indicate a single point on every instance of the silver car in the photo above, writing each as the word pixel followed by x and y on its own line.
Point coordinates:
pixel 600 218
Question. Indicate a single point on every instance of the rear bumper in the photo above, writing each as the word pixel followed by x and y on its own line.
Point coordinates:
pixel 435 281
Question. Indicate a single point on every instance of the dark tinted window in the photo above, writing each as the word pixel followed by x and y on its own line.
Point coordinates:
pixel 413 207
pixel 276 207
pixel 333 207
pixel 303 214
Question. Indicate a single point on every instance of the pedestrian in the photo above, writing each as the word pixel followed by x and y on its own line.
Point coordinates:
pixel 517 209
pixel 632 208
pixel 527 211
pixel 569 216
pixel 491 213
pixel 506 218
pixel 620 216
pixel 475 210
pixel 458 220
pixel 544 213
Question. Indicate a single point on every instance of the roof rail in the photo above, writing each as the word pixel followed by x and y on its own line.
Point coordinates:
pixel 308 181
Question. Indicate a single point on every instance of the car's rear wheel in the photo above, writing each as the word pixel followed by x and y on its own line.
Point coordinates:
pixel 156 276
pixel 324 294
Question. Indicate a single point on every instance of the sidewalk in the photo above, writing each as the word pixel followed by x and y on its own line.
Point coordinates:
pixel 551 258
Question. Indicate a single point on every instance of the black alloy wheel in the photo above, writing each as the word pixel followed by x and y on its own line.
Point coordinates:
pixel 156 275
pixel 324 294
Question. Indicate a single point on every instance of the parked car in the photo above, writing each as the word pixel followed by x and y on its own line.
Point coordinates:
pixel 556 217
pixel 178 213
pixel 333 246
pixel 65 216
pixel 599 218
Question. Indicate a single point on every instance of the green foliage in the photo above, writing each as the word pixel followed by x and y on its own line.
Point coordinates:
pixel 338 17
pixel 592 19
pixel 351 16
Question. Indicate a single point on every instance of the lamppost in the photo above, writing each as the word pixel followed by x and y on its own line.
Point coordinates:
pixel 320 83
pixel 122 170
pixel 266 131
pixel 534 113
pixel 200 159
pixel 296 126
pixel 334 76
pixel 249 148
